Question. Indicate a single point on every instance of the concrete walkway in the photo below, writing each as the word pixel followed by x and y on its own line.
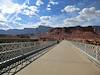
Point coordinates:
pixel 64 59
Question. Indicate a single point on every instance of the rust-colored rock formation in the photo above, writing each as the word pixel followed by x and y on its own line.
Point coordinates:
pixel 85 34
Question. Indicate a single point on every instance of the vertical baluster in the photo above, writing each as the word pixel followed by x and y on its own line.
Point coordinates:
pixel 96 52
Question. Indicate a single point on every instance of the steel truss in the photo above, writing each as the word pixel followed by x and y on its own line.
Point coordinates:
pixel 16 56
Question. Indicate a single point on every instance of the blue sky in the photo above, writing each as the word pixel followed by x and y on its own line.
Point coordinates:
pixel 19 14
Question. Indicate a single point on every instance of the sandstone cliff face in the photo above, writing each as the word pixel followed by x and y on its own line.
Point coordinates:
pixel 72 33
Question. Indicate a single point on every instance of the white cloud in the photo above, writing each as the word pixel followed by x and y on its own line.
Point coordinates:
pixel 5 25
pixel 71 22
pixel 18 18
pixel 53 21
pixel 33 8
pixel 39 2
pixel 22 26
pixel 45 19
pixel 89 13
pixel 48 5
pixel 53 2
pixel 8 7
pixel 70 9
pixel 48 8
pixel 30 11
pixel 88 16
pixel 2 17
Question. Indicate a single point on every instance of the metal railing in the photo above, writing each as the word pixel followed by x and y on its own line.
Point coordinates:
pixel 15 56
pixel 93 51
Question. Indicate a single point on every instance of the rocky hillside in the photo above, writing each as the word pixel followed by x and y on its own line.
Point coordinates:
pixel 86 34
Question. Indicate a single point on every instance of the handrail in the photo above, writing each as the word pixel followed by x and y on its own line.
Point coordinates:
pixel 93 51
pixel 21 55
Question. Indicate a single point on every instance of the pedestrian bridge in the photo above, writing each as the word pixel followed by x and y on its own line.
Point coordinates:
pixel 65 58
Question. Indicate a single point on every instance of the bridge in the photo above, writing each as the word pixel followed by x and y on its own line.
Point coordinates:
pixel 49 58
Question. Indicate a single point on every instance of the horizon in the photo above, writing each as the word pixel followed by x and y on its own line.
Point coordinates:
pixel 51 27
pixel 20 14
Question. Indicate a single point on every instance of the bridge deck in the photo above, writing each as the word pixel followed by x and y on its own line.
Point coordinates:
pixel 64 59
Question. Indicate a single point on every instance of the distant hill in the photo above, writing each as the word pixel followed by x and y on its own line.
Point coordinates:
pixel 40 29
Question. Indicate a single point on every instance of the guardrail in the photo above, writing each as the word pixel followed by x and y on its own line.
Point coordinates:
pixel 12 40
pixel 93 51
pixel 15 56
